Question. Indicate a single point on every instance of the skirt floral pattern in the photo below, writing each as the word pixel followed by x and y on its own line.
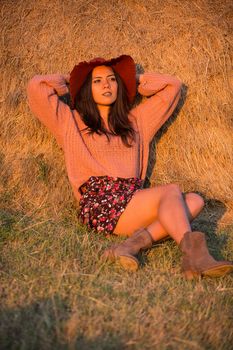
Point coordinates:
pixel 104 199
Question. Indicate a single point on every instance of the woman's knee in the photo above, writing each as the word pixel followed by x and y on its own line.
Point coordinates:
pixel 172 189
pixel 195 201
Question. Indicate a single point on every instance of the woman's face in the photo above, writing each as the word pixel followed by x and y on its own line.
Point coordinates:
pixel 104 85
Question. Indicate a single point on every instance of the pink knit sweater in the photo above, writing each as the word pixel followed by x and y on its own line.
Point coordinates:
pixel 91 154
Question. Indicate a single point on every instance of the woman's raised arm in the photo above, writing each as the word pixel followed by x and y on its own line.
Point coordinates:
pixel 43 96
pixel 164 92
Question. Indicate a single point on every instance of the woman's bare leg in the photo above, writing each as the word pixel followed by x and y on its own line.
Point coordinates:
pixel 162 210
pixel 194 204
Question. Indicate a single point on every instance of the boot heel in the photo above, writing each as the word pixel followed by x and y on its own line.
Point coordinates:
pixel 190 275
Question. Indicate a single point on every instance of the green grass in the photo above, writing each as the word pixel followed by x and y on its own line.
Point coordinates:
pixel 57 294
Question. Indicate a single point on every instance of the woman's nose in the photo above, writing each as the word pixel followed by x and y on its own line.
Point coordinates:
pixel 106 83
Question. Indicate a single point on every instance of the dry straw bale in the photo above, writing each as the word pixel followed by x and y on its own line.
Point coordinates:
pixel 190 39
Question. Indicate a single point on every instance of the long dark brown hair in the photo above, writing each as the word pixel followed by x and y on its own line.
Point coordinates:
pixel 119 123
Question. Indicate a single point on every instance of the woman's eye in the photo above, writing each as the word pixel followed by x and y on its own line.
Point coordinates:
pixel 97 81
pixel 113 79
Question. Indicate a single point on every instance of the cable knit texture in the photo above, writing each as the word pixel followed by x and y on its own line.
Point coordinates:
pixel 91 154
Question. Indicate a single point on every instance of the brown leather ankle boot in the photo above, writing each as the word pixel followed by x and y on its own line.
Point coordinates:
pixel 126 252
pixel 197 260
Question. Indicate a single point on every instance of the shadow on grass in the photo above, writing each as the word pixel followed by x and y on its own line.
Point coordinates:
pixel 41 325
pixel 8 219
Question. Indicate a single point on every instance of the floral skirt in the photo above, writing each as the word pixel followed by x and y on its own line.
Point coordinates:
pixel 104 199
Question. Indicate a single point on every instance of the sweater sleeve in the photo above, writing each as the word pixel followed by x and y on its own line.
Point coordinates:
pixel 43 92
pixel 163 92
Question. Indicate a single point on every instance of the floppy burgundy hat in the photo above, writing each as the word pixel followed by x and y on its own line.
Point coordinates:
pixel 124 65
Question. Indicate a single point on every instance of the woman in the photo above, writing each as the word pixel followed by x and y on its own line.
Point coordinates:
pixel 106 147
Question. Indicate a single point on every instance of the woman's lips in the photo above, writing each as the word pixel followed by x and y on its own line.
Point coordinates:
pixel 107 94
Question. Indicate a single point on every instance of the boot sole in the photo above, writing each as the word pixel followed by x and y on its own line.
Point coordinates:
pixel 216 271
pixel 128 263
